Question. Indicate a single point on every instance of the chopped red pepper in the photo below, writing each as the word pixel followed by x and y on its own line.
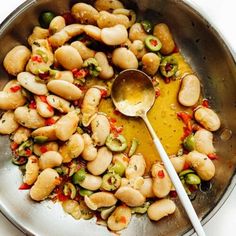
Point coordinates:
pixel 14 146
pixel 43 149
pixel 116 112
pixel 16 88
pixel 32 104
pixel 196 127
pixel 37 58
pixel 123 220
pixel 186 118
pixel 79 73
pixel 69 19
pixel 50 108
pixel 28 152
pixel 43 98
pixel 50 121
pixel 112 120
pixel 157 93
pixel 186 166
pixel 24 186
pixel 205 103
pixel 168 67
pixel 167 80
pixel 103 93
pixel 212 156
pixel 161 174
pixel 153 42
pixel 173 194
pixel 176 49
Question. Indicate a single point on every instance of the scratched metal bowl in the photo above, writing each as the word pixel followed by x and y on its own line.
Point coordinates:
pixel 209 57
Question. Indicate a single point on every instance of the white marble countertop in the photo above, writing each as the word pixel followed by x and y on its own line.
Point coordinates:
pixel 222 14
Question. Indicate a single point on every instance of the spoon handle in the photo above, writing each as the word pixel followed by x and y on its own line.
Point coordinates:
pixel 176 181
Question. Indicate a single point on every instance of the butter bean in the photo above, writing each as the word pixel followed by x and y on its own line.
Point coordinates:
pixel 57 24
pixel 43 108
pixel 138 48
pixel 83 50
pixel 151 63
pixel 146 188
pixel 108 5
pixel 65 75
pixel 50 159
pixel 90 152
pixel 49 146
pixel 59 103
pixel 38 33
pixel 93 31
pixel 21 135
pixel 178 163
pixel 46 131
pixel 8 123
pixel 91 182
pixel 137 32
pixel 31 170
pixel 103 199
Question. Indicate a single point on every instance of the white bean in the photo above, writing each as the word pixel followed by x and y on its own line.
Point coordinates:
pixel 161 181
pixel 207 118
pixel 83 50
pixel 131 197
pixel 93 31
pixel 21 135
pixel 115 35
pixel 189 92
pixel 31 170
pixel 16 59
pixel 203 165
pixel 136 166
pixel 57 24
pixel 39 149
pixel 100 128
pixel 50 159
pixel 115 223
pixel 8 123
pixel 38 33
pixel 160 209
pixel 151 63
pixel 91 182
pixel 65 75
pixel 106 19
pixel 28 118
pixel 59 103
pixel 46 131
pixel 124 58
pixel 146 188
pixel 27 80
pixel 90 105
pixel 203 140
pixel 178 163
pixel 68 57
pixel 138 48
pixel 108 5
pixel 107 71
pixel 44 185
pixel 64 89
pixel 43 108
pixel 84 13
pixel 103 199
pixel 90 152
pixel 100 164
pixel 72 148
pixel 67 125
pixel 137 32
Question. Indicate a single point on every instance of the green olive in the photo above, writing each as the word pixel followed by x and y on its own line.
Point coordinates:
pixel 85 192
pixel 40 139
pixel 168 66
pixel 141 209
pixel 189 143
pixel 133 147
pixel 117 168
pixel 86 213
pixel 147 26
pixel 45 18
pixel 185 172
pixel 69 190
pixel 192 179
pixel 79 176
pixel 116 143
pixel 111 182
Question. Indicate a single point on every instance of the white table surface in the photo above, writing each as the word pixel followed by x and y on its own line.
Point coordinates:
pixel 223 15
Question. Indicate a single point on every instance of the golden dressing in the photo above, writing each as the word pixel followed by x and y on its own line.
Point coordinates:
pixel 162 117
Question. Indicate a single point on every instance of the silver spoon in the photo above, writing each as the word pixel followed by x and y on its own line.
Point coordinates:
pixel 133 95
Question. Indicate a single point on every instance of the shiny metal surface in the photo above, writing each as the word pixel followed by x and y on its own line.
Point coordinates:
pixel 212 61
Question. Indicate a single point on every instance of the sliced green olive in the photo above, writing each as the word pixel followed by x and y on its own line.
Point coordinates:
pixel 79 176
pixel 25 149
pixel 133 147
pixel 85 192
pixel 189 143
pixel 168 66
pixel 73 168
pixel 40 139
pixel 92 66
pixel 117 168
pixel 141 209
pixel 153 43
pixel 147 26
pixel 111 182
pixel 72 207
pixel 185 172
pixel 45 18
pixel 86 213
pixel 69 190
pixel 116 143
pixel 62 170
pixel 192 179
pixel 19 160
pixel 79 130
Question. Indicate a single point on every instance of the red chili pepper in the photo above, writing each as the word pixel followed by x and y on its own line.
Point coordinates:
pixel 14 146
pixel 157 93
pixel 32 104
pixel 205 103
pixel 196 127
pixel 43 149
pixel 186 118
pixel 61 197
pixel 212 156
pixel 24 186
pixel 50 108
pixel 173 194
pixel 116 112
pixel 167 80
pixel 16 88
pixel 43 98
pixel 153 42
pixel 123 220
pixel 168 67
pixel 103 93
pixel 176 49
pixel 79 73
pixel 112 120
pixel 69 19
pixel 28 152
pixel 161 174
pixel 186 166
pixel 37 58
pixel 50 121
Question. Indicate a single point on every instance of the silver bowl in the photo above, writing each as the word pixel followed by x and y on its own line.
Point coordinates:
pixel 209 57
